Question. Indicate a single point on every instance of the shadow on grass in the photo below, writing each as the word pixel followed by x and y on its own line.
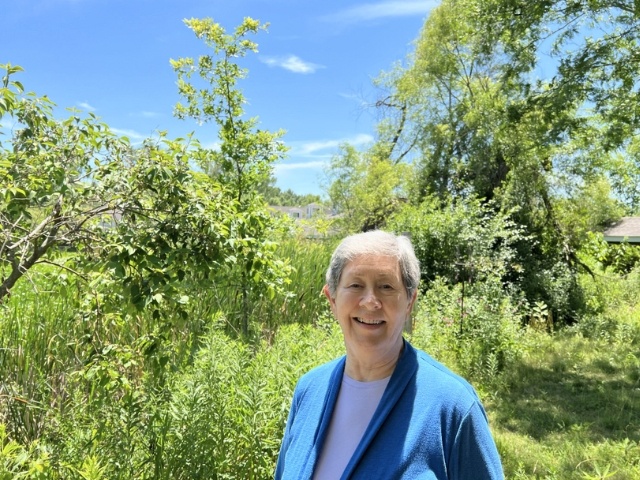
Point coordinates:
pixel 596 401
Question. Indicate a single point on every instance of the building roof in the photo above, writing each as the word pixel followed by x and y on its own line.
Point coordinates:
pixel 628 228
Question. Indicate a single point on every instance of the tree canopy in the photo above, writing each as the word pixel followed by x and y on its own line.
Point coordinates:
pixel 528 107
pixel 144 217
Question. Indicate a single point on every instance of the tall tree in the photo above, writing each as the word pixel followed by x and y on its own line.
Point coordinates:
pixel 245 158
pixel 138 217
pixel 484 126
pixel 365 187
pixel 48 170
pixel 590 51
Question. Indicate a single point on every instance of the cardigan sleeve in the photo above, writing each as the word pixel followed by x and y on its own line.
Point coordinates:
pixel 474 454
pixel 287 437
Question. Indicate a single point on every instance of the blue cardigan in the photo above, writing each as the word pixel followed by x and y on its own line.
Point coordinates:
pixel 429 424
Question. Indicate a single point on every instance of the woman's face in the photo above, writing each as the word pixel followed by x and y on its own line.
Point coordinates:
pixel 371 303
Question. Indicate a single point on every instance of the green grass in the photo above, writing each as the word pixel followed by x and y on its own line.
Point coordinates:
pixel 79 393
pixel 570 410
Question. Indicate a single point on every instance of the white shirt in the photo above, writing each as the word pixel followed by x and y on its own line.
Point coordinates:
pixel 355 406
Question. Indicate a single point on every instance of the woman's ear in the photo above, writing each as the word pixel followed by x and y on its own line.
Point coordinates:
pixel 327 294
pixel 413 300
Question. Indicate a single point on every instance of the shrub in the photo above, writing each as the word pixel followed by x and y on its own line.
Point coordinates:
pixel 476 331
pixel 464 241
pixel 229 410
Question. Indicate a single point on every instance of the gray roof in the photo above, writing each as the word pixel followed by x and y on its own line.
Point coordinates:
pixel 627 228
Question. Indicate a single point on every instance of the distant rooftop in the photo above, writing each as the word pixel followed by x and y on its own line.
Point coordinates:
pixel 628 228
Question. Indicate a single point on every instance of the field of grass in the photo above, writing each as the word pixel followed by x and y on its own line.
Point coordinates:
pixel 104 397
pixel 571 409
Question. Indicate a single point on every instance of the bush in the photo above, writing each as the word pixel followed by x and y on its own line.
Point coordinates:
pixel 463 241
pixel 18 461
pixel 622 258
pixel 476 331
pixel 228 412
pixel 613 306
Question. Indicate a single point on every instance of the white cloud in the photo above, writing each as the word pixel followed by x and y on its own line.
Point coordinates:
pixel 86 106
pixel 391 8
pixel 130 134
pixel 328 147
pixel 318 164
pixel 292 63
pixel 318 153
pixel 146 114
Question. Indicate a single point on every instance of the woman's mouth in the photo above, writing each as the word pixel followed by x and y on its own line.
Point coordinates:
pixel 368 322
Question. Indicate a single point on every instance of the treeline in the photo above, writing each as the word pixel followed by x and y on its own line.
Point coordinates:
pixel 275 196
pixel 470 121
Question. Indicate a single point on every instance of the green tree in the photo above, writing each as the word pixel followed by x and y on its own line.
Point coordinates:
pixel 593 45
pixel 139 219
pixel 244 159
pixel 592 209
pixel 625 177
pixel 365 187
pixel 275 196
pixel 482 125
pixel 48 191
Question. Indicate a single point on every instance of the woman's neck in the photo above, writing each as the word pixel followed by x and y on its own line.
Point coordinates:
pixel 370 366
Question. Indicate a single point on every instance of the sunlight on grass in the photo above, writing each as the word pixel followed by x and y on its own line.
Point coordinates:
pixel 570 410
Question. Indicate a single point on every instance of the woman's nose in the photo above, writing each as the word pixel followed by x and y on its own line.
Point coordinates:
pixel 370 300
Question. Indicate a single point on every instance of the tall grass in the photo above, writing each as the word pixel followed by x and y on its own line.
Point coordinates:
pixel 85 395
pixel 105 387
pixel 38 346
pixel 302 304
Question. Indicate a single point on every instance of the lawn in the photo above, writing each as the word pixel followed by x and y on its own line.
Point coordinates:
pixel 571 409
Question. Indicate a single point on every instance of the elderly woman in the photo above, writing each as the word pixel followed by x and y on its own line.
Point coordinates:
pixel 385 410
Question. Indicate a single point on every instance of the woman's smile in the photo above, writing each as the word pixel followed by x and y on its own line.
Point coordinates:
pixel 371 305
pixel 368 322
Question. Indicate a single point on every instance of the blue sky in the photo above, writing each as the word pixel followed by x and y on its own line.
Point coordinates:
pixel 312 76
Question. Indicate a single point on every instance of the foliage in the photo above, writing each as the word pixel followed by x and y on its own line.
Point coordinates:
pixel 593 44
pixel 479 124
pixel 243 161
pixel 619 258
pixel 465 242
pixel 124 355
pixel 173 228
pixel 591 209
pixel 275 196
pixel 625 178
pixel 560 404
pixel 39 344
pixel 229 411
pixel 365 187
pixel 303 302
pixel 476 330
pixel 613 305
pixel 622 257
pixel 18 461
pixel 139 219
pixel 50 192
pixel 220 416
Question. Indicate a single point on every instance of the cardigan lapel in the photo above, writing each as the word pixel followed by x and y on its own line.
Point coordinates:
pixel 328 406
pixel 402 374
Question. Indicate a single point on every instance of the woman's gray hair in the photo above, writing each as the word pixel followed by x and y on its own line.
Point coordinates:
pixel 375 242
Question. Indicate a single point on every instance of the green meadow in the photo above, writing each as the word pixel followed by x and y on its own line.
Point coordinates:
pixel 86 397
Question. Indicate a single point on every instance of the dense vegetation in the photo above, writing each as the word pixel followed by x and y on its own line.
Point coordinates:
pixel 155 317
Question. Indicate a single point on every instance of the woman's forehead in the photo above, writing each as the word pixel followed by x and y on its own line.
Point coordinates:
pixel 383 265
